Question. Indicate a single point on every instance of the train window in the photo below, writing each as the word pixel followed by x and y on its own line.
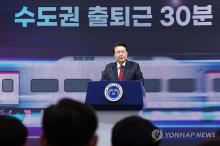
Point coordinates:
pixel 7 85
pixel 216 85
pixel 181 85
pixel 152 85
pixel 76 85
pixel 44 85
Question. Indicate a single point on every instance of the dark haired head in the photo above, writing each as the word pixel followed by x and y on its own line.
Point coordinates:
pixel 133 131
pixel 69 123
pixel 12 131
pixel 120 44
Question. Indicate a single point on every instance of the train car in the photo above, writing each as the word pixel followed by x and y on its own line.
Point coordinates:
pixel 169 83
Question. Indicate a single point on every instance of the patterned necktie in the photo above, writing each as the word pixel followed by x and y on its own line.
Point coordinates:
pixel 121 73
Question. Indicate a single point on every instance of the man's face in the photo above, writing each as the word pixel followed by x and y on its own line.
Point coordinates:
pixel 120 54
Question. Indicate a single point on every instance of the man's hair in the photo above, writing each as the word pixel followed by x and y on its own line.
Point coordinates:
pixel 120 44
pixel 12 131
pixel 133 131
pixel 69 123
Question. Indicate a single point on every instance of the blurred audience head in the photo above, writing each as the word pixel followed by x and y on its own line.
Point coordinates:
pixel 133 131
pixel 69 123
pixel 12 131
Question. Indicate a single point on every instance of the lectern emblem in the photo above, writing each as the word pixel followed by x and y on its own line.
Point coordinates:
pixel 113 92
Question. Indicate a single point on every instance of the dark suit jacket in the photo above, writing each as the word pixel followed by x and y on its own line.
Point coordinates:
pixel 131 72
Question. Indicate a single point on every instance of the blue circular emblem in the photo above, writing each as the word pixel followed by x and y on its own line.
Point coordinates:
pixel 113 92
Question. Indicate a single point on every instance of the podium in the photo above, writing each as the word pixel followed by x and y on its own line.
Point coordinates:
pixel 124 98
pixel 115 95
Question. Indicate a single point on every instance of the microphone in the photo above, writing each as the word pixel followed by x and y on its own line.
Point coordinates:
pixel 106 73
pixel 110 70
pixel 123 68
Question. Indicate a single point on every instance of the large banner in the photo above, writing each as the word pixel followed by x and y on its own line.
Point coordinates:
pixel 52 49
pixel 54 29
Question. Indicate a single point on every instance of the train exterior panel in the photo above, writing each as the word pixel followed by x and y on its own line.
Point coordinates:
pixel 169 83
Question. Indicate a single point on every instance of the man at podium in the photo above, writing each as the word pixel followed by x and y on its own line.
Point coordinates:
pixel 122 69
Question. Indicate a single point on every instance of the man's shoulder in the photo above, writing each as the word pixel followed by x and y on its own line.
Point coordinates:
pixel 132 63
pixel 111 64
